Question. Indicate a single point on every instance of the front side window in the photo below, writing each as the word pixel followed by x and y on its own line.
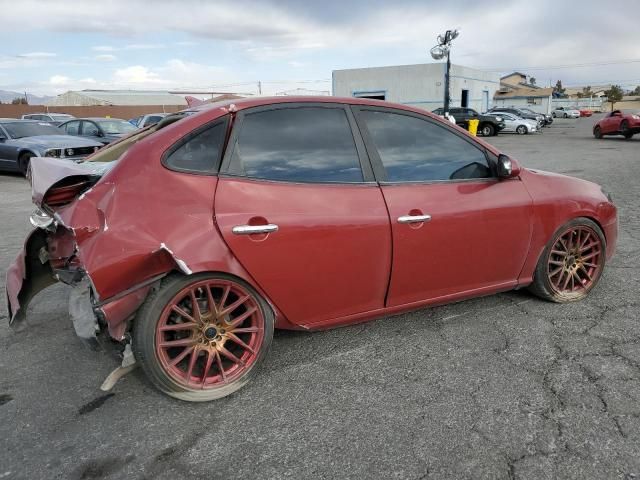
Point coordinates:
pixel 301 144
pixel 416 150
pixel 90 129
pixel 72 128
pixel 200 152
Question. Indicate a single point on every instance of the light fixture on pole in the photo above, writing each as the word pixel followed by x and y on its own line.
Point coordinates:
pixel 442 49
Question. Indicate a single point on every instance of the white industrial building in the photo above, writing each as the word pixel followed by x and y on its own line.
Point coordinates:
pixel 116 97
pixel 419 85
pixel 537 99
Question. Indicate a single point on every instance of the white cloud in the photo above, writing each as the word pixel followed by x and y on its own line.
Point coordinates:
pixel 136 74
pixel 58 80
pixel 37 55
pixel 103 48
pixel 106 58
pixel 143 46
pixel 186 43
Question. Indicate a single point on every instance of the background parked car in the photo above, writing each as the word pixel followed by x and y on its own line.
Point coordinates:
pixel 618 123
pixel 519 125
pixel 489 124
pixel 518 112
pixel 584 112
pixel 103 130
pixel 20 140
pixel 547 119
pixel 146 120
pixel 566 112
pixel 52 118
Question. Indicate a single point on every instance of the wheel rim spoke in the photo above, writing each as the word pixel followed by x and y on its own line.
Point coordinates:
pixel 246 330
pixel 182 313
pixel 237 340
pixel 207 367
pixel 178 326
pixel 230 356
pixel 223 374
pixel 182 355
pixel 182 342
pixel 194 305
pixel 239 320
pixel 234 305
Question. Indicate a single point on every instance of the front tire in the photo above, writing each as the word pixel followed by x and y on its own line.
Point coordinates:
pixel 488 130
pixel 572 262
pixel 624 129
pixel 566 116
pixel 24 163
pixel 597 133
pixel 201 337
pixel 521 130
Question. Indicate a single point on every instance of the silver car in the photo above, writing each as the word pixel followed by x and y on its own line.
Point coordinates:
pixel 565 112
pixel 515 124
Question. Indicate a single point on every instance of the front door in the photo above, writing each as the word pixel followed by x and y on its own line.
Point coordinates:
pixel 297 205
pixel 456 228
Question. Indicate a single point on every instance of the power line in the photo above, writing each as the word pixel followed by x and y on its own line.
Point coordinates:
pixel 558 67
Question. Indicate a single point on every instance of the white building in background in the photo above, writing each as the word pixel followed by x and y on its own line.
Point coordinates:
pixel 536 99
pixel 303 92
pixel 419 85
pixel 116 97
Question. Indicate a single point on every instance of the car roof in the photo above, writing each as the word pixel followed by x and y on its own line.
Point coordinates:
pixel 97 119
pixel 21 120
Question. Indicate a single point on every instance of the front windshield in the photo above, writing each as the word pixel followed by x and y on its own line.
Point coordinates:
pixel 30 129
pixel 116 127
pixel 61 118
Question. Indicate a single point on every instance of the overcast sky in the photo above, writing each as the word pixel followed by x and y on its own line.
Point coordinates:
pixel 48 47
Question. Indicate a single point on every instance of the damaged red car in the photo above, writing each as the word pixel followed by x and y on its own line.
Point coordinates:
pixel 190 241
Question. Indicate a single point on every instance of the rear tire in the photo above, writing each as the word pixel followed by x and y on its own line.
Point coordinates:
pixel 23 163
pixel 487 130
pixel 566 116
pixel 624 129
pixel 200 354
pixel 571 263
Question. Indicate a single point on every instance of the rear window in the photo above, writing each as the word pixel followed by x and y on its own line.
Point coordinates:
pixel 200 151
pixel 29 129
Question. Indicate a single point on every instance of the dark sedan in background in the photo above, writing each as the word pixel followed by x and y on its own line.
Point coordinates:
pixel 103 130
pixel 21 140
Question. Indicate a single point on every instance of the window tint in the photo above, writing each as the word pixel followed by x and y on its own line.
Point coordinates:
pixel 201 152
pixel 306 144
pixel 415 150
pixel 89 128
pixel 72 128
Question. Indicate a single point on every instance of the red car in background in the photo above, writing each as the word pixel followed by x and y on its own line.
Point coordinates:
pixel 190 241
pixel 618 123
pixel 585 112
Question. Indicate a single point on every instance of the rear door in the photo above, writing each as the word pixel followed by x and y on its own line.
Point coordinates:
pixel 298 205
pixel 457 230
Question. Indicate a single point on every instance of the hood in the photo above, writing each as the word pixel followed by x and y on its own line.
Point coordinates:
pixel 49 174
pixel 55 141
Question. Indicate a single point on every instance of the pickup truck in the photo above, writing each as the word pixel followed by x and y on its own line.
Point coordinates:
pixel 489 124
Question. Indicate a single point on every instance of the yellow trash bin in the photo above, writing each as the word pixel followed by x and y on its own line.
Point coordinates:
pixel 473 126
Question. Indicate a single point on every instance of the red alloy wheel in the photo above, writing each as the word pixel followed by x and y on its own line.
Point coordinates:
pixel 209 334
pixel 575 261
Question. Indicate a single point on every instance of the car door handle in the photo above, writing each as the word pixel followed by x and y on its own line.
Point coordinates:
pixel 252 229
pixel 414 218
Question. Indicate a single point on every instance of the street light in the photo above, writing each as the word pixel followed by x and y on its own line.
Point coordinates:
pixel 442 49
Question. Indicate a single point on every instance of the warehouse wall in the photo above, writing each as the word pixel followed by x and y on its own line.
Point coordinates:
pixel 418 85
pixel 113 111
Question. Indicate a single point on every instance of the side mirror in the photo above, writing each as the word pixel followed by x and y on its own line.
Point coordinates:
pixel 507 167
pixel 99 134
pixel 2 138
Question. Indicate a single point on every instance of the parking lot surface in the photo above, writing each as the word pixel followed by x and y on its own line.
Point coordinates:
pixel 506 386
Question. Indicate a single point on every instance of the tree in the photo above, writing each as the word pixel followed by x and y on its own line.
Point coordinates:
pixel 614 94
pixel 636 91
pixel 558 91
pixel 532 80
pixel 19 101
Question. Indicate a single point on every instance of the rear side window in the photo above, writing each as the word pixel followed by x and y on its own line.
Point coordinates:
pixel 199 152
pixel 415 150
pixel 298 144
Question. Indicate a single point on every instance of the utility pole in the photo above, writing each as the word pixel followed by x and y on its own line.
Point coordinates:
pixel 259 87
pixel 438 53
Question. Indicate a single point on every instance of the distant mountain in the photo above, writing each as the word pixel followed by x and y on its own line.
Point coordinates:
pixel 6 96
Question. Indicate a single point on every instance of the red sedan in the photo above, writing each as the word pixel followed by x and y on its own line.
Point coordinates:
pixel 618 123
pixel 190 241
pixel 585 112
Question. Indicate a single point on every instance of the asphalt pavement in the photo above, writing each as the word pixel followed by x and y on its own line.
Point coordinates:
pixel 501 387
